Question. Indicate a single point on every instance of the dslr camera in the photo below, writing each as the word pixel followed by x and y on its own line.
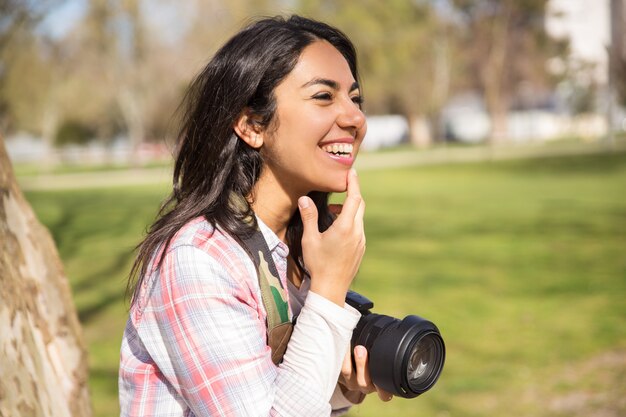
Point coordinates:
pixel 405 356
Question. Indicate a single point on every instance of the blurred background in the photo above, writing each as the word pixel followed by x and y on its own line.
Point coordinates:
pixel 494 169
pixel 98 81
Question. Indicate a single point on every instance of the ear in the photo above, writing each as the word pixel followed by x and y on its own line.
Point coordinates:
pixel 248 129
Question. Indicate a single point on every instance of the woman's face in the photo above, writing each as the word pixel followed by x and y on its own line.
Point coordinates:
pixel 318 125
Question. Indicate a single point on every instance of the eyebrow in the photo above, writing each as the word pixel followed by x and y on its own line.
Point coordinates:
pixel 329 83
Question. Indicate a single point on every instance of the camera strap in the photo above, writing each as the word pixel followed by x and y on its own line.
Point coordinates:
pixel 273 294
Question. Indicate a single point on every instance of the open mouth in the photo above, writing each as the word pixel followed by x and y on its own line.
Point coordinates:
pixel 339 149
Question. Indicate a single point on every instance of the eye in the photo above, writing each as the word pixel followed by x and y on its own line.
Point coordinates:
pixel 358 100
pixel 323 96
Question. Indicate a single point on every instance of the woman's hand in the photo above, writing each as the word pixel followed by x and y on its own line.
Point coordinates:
pixel 356 379
pixel 333 257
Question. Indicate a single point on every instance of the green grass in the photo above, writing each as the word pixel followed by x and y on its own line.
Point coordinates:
pixel 522 265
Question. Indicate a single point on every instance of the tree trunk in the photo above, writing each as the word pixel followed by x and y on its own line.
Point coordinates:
pixel 493 73
pixel 49 126
pixel 43 362
pixel 419 131
pixel 132 115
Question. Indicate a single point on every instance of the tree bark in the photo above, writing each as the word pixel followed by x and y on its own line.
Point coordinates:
pixel 43 362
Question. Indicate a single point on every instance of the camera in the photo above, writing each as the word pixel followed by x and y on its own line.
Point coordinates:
pixel 406 356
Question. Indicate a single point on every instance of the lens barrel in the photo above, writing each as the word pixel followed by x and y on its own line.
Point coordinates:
pixel 406 356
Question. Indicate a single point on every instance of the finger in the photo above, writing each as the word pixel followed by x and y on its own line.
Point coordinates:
pixel 358 217
pixel 360 359
pixel 353 183
pixel 353 199
pixel 346 367
pixel 308 213
pixel 384 395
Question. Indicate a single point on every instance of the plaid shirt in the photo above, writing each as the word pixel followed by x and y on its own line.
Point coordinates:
pixel 195 341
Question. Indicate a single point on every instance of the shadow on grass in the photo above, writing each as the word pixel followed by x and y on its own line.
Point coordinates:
pixel 90 312
pixel 95 279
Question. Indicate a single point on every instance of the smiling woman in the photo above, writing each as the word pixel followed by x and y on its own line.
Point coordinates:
pixel 246 241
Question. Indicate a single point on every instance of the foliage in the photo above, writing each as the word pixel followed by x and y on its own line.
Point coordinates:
pixel 73 132
pixel 520 264
pixel 17 20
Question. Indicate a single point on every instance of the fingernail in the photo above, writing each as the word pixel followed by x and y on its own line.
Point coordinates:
pixel 360 351
pixel 303 202
pixel 353 171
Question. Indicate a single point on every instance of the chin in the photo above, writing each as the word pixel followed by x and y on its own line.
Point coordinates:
pixel 335 183
pixel 337 187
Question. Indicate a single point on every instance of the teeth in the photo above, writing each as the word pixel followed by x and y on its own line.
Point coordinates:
pixel 339 148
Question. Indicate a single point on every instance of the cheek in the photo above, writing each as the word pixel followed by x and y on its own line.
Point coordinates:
pixel 361 136
pixel 306 131
pixel 317 126
pixel 363 131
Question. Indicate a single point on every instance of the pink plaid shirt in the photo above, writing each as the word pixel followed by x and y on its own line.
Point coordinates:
pixel 195 341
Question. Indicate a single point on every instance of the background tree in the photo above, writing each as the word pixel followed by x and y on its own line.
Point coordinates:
pixel 120 71
pixel 14 16
pixel 506 48
pixel 617 51
pixel 19 61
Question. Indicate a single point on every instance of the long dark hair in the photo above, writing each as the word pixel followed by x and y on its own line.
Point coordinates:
pixel 212 163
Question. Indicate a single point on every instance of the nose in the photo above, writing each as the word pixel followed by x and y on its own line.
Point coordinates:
pixel 351 116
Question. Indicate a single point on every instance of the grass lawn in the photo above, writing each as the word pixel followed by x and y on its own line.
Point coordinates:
pixel 522 265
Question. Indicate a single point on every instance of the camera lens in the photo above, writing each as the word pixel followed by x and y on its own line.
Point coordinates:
pixel 406 356
pixel 424 362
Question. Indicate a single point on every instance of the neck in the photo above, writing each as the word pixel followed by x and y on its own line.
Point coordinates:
pixel 273 204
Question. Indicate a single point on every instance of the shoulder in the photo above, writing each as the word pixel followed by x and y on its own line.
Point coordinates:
pixel 201 261
pixel 201 234
pixel 200 237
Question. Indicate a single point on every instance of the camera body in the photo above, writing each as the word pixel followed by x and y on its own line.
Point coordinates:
pixel 406 356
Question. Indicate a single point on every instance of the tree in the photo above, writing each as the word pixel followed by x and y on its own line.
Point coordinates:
pixel 617 51
pixel 43 361
pixel 41 82
pixel 17 19
pixel 506 48
pixel 143 74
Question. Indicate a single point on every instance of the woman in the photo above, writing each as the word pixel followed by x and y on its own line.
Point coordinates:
pixel 273 124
